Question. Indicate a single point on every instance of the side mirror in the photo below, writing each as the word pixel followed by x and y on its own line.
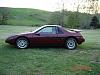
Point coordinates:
pixel 38 34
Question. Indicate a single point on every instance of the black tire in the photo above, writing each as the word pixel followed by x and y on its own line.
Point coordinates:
pixel 22 43
pixel 71 43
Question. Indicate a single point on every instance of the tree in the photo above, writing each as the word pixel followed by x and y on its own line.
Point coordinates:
pixel 3 15
pixel 92 6
pixel 89 7
pixel 62 14
pixel 61 11
pixel 59 19
pixel 73 20
pixel 94 22
pixel 55 18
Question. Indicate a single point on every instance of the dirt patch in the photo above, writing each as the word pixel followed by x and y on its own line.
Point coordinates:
pixel 77 68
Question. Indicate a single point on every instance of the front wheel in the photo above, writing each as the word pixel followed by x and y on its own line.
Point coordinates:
pixel 71 43
pixel 22 43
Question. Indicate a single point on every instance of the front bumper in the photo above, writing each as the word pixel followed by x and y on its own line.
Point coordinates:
pixel 11 40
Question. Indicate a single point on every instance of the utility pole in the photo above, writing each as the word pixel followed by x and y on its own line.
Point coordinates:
pixel 62 14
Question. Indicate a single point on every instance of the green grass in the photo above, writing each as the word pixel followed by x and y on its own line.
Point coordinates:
pixel 92 38
pixel 49 61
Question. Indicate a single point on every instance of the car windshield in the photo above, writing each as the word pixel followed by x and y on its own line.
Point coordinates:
pixel 37 29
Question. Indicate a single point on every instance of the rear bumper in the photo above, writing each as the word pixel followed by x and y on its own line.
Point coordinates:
pixel 80 40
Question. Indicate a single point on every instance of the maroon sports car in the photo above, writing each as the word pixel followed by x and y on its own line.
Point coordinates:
pixel 48 35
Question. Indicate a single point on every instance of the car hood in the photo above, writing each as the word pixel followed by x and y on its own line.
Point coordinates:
pixel 24 33
pixel 19 34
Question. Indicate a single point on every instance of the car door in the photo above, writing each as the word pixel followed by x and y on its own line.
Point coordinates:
pixel 61 36
pixel 46 36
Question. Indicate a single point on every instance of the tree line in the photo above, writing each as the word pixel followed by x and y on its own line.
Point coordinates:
pixel 76 20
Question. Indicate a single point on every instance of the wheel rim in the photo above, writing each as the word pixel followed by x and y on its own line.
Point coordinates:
pixel 71 44
pixel 22 43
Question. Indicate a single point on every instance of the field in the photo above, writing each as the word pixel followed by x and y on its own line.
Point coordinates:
pixel 85 60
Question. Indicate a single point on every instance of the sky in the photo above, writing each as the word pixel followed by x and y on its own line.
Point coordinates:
pixel 48 5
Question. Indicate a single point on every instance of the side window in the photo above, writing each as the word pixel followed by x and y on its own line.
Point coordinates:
pixel 48 30
pixel 59 31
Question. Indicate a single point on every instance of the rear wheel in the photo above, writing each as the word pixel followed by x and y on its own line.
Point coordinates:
pixel 22 43
pixel 71 43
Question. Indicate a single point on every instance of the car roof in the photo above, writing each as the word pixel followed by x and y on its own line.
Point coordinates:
pixel 51 25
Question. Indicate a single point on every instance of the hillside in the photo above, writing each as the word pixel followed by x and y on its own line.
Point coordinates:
pixel 26 16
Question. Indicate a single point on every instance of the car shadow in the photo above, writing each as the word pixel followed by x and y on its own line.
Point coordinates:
pixel 11 47
pixel 46 48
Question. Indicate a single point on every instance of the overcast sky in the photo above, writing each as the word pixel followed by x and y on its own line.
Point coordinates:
pixel 49 5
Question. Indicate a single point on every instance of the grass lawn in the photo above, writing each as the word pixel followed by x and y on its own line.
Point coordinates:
pixel 85 60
